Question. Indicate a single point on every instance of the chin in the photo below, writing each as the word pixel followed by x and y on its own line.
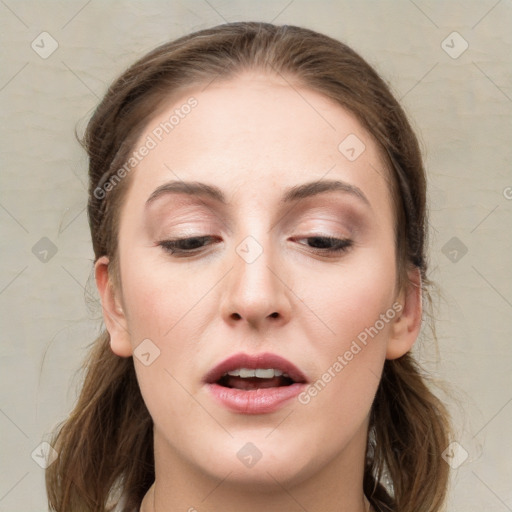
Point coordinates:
pixel 260 464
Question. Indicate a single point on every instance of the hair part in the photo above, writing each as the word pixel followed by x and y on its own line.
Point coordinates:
pixel 101 448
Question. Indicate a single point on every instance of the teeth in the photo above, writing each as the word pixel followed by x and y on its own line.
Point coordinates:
pixel 261 373
pixel 265 374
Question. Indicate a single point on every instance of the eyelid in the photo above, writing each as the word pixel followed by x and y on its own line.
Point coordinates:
pixel 341 245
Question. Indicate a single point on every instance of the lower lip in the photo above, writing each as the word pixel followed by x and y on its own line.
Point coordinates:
pixel 258 401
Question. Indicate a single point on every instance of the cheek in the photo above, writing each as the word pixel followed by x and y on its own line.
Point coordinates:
pixel 355 304
pixel 349 296
pixel 167 305
pixel 162 305
pixel 157 297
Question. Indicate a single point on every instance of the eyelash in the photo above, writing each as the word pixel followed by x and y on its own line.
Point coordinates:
pixel 176 246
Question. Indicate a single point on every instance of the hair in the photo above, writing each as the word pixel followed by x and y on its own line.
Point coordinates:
pixel 106 444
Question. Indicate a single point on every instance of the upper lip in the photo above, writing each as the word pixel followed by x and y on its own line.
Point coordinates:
pixel 265 360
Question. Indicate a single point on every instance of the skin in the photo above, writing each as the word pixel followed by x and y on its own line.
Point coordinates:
pixel 198 310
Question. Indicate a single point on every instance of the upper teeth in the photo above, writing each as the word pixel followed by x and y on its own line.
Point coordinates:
pixel 267 373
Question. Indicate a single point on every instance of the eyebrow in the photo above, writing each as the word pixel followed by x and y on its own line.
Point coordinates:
pixel 292 194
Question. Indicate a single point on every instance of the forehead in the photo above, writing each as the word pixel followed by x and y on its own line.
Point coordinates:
pixel 256 132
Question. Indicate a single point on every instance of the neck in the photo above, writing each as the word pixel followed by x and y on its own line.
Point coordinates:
pixel 337 486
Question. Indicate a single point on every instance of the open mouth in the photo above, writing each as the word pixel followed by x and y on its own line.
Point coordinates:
pixel 246 373
pixel 255 384
pixel 252 383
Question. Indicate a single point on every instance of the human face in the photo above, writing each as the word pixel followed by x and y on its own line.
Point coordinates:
pixel 254 137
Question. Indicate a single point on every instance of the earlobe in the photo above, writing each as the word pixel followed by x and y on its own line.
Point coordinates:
pixel 407 324
pixel 113 314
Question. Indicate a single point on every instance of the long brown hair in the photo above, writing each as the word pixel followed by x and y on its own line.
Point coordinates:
pixel 106 445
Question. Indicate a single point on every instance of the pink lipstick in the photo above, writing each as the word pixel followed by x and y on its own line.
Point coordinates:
pixel 255 384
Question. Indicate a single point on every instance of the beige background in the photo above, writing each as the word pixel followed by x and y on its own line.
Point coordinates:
pixel 461 108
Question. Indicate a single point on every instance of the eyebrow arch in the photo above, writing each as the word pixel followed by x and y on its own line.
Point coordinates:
pixel 295 193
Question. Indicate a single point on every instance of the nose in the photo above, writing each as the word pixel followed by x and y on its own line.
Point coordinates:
pixel 256 288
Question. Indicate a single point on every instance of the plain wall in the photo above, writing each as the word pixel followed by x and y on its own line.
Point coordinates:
pixel 460 106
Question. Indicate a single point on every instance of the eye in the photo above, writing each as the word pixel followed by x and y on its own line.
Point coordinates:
pixel 320 244
pixel 185 245
pixel 328 244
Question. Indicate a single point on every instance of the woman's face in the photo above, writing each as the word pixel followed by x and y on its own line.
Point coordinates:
pixel 261 283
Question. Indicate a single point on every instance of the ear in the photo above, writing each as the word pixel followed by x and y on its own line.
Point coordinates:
pixel 113 314
pixel 406 325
